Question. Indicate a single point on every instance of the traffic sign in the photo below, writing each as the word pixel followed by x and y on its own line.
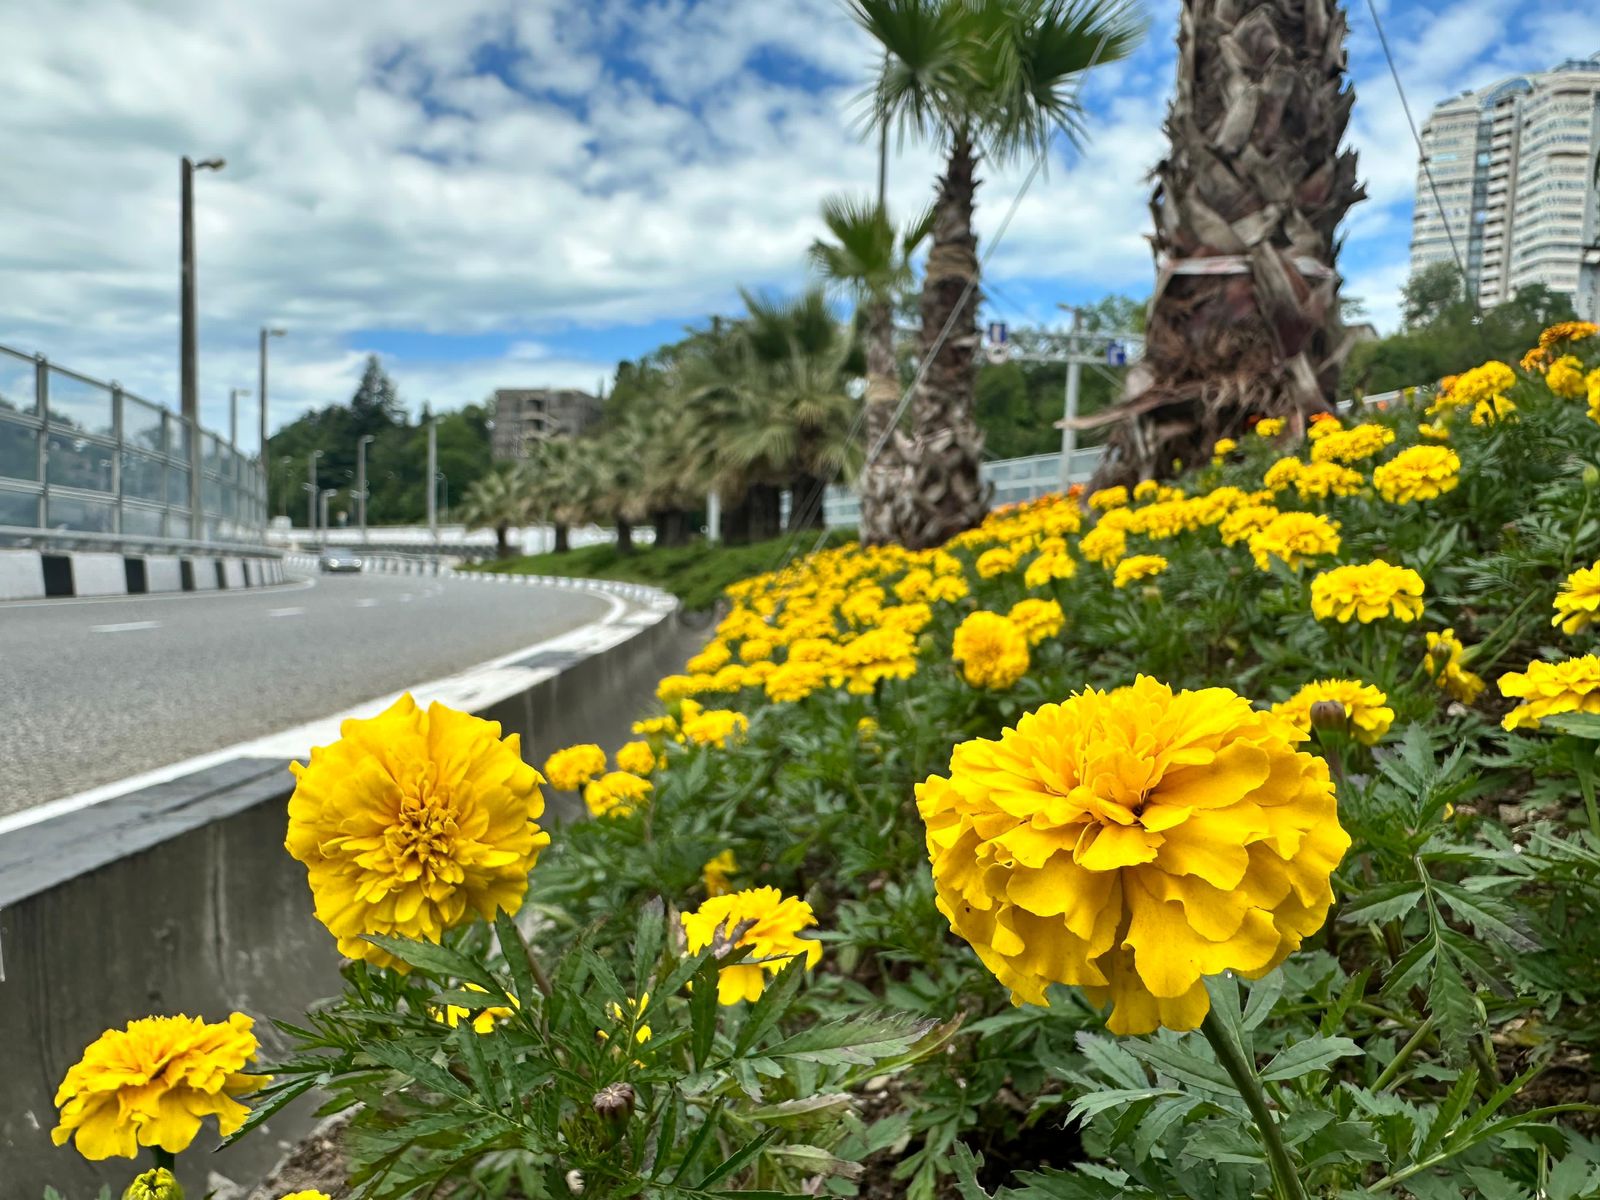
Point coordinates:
pixel 1116 354
pixel 997 333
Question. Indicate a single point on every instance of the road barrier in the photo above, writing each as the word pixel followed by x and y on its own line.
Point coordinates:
pixel 179 897
pixel 43 574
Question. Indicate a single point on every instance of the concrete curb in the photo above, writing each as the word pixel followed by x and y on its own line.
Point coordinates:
pixel 180 898
pixel 43 575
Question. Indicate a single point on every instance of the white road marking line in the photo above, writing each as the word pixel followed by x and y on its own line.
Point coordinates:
pixel 293 611
pixel 126 627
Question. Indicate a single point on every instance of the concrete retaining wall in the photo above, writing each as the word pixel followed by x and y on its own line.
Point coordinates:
pixel 180 898
pixel 163 573
pixel 99 575
pixel 35 575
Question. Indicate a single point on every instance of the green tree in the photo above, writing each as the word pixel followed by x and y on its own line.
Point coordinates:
pixel 980 78
pixel 497 501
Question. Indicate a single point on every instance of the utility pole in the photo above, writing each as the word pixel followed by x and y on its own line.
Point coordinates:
pixel 233 416
pixel 327 493
pixel 1069 434
pixel 433 472
pixel 266 332
pixel 361 480
pixel 311 502
pixel 187 357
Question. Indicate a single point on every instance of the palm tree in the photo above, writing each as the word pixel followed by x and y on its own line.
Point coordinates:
pixel 987 78
pixel 1255 184
pixel 496 501
pixel 870 261
pixel 552 478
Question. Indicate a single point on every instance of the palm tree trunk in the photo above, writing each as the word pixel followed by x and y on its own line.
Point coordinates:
pixel 502 543
pixel 1253 190
pixel 805 501
pixel 624 536
pixel 562 545
pixel 883 478
pixel 943 493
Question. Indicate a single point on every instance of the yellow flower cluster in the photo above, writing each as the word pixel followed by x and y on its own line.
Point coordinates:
pixel 1132 843
pixel 1269 427
pixel 1418 473
pixel 1293 538
pixel 1352 445
pixel 1470 387
pixel 1243 523
pixel 1039 620
pixel 1104 544
pixel 1367 592
pixel 1495 410
pixel 712 726
pixel 717 872
pixel 638 758
pixel 1363 709
pixel 1108 498
pixel 1578 601
pixel 453 1014
pixel 616 794
pixel 1323 479
pixel 1445 663
pixel 1140 566
pixel 1222 447
pixel 1567 331
pixel 414 822
pixel 1282 474
pixel 569 769
pixel 1565 377
pixel 992 651
pixel 766 921
pixel 1549 688
pixel 1322 424
pixel 153 1082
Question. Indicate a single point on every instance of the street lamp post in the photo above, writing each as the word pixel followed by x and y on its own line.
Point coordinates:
pixel 266 332
pixel 441 477
pixel 323 508
pixel 233 416
pixel 361 480
pixel 284 460
pixel 187 357
pixel 311 502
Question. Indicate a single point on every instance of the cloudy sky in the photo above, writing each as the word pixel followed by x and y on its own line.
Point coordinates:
pixel 520 192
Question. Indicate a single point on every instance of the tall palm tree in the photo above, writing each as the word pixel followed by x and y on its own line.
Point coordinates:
pixel 871 261
pixel 496 501
pixel 1254 174
pixel 983 78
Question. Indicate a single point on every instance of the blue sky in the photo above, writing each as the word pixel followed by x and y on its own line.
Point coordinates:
pixel 520 192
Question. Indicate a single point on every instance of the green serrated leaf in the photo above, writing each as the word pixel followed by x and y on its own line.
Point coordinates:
pixel 1177 1062
pixel 1313 1054
pixel 1387 902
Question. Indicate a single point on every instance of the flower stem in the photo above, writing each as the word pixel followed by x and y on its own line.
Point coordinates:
pixel 1244 1077
pixel 163 1158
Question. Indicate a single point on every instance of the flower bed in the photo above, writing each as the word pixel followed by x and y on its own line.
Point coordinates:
pixel 1263 836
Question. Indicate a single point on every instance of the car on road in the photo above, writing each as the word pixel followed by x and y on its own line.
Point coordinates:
pixel 339 561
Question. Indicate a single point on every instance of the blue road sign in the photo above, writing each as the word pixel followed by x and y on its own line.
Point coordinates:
pixel 997 333
pixel 1116 354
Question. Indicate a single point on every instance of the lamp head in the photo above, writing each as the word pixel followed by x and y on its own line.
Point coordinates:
pixel 210 164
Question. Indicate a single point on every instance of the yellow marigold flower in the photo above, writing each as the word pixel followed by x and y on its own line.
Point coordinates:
pixel 1323 479
pixel 867 728
pixel 656 727
pixel 863 605
pixel 629 1017
pixel 453 1014
pixel 1367 592
pixel 1534 360
pixel 1269 427
pixel 1104 544
pixel 1294 537
pixel 796 679
pixel 1242 523
pixel 1166 519
pixel 715 727
pixel 1282 473
pixel 676 687
pixel 638 758
pixel 1565 377
pixel 946 588
pixel 877 654
pixel 912 618
pixel 1419 473
pixel 414 822
pixel 1493 411
pixel 717 871
pixel 992 651
pixel 765 920
pixel 1049 567
pixel 569 769
pixel 1140 566
pixel 1038 619
pixel 1470 387
pixel 914 586
pixel 1567 331
pixel 1352 445
pixel 712 658
pixel 1444 663
pixel 1145 489
pixel 754 650
pixel 1108 498
pixel 1322 424
pixel 1216 504
pixel 1131 843
pixel 998 561
pixel 1436 431
pixel 1548 688
pixel 615 794
pixel 1578 602
pixel 309 1194
pixel 153 1082
pixel 157 1184
pixel 1222 447
pixel 1366 709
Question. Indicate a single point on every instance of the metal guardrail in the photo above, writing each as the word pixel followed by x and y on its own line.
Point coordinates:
pixel 81 456
pixel 73 539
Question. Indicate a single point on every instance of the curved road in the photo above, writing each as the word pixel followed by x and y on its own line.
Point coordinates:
pixel 92 691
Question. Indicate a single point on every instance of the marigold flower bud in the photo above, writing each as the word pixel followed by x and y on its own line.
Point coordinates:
pixel 157 1184
pixel 1328 714
pixel 614 1102
pixel 1591 477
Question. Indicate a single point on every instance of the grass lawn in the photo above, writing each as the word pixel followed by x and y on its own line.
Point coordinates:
pixel 695 573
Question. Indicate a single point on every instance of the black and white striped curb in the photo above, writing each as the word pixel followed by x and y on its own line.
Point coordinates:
pixel 42 575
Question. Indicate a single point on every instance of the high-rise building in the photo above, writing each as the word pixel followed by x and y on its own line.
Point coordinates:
pixel 1514 171
pixel 523 416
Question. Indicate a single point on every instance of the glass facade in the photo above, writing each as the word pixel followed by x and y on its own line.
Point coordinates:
pixel 80 456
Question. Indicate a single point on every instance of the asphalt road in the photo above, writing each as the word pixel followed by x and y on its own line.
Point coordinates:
pixel 92 691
